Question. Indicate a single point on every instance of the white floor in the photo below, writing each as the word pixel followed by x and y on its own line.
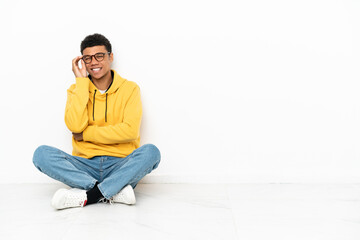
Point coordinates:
pixel 188 211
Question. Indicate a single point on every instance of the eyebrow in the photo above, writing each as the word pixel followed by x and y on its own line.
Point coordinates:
pixel 93 54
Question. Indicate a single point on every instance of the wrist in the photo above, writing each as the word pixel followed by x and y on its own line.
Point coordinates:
pixel 77 75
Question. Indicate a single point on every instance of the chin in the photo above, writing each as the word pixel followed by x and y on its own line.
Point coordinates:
pixel 96 76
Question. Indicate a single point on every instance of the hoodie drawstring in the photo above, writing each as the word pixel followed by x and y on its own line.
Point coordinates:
pixel 94 106
pixel 105 107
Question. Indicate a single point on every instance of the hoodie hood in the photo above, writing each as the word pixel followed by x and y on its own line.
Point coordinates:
pixel 114 86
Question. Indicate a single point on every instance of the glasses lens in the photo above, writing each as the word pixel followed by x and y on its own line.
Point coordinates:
pixel 99 56
pixel 87 59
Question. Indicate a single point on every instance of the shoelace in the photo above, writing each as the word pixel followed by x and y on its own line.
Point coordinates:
pixel 104 200
pixel 120 196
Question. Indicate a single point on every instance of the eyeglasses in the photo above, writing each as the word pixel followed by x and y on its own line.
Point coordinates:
pixel 98 56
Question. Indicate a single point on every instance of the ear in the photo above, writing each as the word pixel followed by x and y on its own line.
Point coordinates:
pixel 111 57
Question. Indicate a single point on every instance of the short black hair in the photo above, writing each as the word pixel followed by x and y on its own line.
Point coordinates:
pixel 95 39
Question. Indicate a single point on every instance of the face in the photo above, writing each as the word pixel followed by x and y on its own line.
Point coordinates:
pixel 98 69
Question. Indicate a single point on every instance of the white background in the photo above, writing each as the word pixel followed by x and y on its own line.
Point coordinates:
pixel 233 91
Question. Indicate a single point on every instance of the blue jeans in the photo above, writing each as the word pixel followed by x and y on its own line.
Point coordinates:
pixel 112 173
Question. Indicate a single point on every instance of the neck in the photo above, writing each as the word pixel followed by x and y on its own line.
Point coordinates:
pixel 104 82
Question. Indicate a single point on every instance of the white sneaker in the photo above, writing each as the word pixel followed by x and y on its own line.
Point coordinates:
pixel 126 196
pixel 68 198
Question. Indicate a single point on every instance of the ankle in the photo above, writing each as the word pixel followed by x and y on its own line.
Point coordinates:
pixel 94 195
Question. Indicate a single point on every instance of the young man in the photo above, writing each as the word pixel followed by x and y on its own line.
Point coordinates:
pixel 103 112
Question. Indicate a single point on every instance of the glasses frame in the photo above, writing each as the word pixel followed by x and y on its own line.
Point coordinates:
pixel 94 56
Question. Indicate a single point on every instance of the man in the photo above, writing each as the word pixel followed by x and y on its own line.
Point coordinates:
pixel 103 112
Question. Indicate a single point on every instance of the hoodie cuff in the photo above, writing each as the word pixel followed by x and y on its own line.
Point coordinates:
pixel 88 134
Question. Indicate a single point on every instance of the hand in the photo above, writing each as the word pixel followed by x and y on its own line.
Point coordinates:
pixel 78 136
pixel 79 72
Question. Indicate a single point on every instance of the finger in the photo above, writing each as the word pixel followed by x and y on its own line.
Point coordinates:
pixel 76 60
pixel 82 64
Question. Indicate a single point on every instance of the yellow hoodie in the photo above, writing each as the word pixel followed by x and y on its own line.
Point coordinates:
pixel 110 122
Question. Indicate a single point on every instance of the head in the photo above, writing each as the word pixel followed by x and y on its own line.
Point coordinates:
pixel 98 56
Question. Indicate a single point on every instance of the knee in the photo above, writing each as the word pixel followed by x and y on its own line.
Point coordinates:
pixel 153 151
pixel 40 155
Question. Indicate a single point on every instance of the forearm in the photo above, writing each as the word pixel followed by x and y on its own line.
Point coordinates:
pixel 76 114
pixel 112 134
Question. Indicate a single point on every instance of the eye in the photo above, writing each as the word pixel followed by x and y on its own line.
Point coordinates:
pixel 99 55
pixel 86 58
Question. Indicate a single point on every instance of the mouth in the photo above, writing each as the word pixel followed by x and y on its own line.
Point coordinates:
pixel 95 70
